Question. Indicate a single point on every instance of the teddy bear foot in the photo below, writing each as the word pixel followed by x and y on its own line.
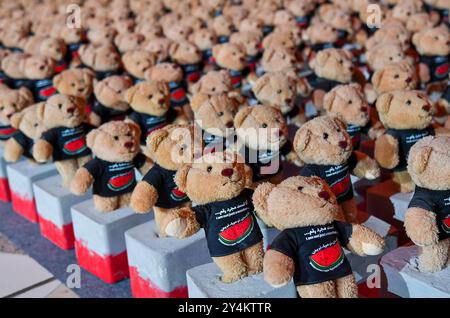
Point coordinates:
pixel 407 187
pixel 228 279
pixel 176 227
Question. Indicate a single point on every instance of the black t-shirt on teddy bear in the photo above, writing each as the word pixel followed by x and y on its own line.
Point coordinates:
pixel 316 251
pixel 438 66
pixel 336 176
pixel 437 202
pixel 163 180
pixel 114 178
pixel 68 143
pixel 322 83
pixel 230 226
pixel 106 113
pixel 25 142
pixel 406 139
pixel 149 123
pixel 178 94
pixel 355 133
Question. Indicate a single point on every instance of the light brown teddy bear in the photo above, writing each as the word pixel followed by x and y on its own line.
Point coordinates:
pixel 115 146
pixel 137 62
pixel 318 36
pixel 309 248
pixel 104 60
pixel 407 115
pixel 278 59
pixel 216 183
pixel 75 81
pixel 39 71
pixel 65 137
pixel 204 39
pixel 325 147
pixel 384 53
pixel 223 27
pixel 189 57
pixel 232 57
pixel 161 47
pixel 428 215
pixel 251 43
pixel 129 41
pixel 169 148
pixel 49 47
pixel 212 83
pixel 29 128
pixel 13 72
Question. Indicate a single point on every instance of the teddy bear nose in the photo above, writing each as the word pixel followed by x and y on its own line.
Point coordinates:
pixel 288 100
pixel 426 108
pixel 343 144
pixel 71 110
pixel 161 101
pixel 364 109
pixel 9 116
pixel 227 172
pixel 408 80
pixel 229 124
pixel 324 195
pixel 129 144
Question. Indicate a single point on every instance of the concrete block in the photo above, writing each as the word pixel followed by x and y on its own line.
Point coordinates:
pixel 405 280
pixel 158 265
pixel 21 176
pixel 53 203
pixel 100 239
pixel 204 282
pixel 400 201
pixel 5 193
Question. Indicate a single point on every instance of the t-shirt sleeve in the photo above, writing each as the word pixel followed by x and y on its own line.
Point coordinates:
pixel 345 231
pixel 94 167
pixel 201 214
pixel 139 160
pixel 49 136
pixel 171 115
pixel 135 117
pixel 153 177
pixel 286 244
pixel 421 200
pixel 22 140
pixel 352 161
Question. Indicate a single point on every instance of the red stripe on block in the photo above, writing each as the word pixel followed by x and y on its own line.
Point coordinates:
pixel 63 238
pixel 110 268
pixel 25 207
pixel 5 193
pixel 144 288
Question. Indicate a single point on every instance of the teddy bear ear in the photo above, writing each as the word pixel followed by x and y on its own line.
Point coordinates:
pixel 260 201
pixel 181 177
pixel 241 115
pixel 328 100
pixel 26 94
pixel 173 48
pixel 155 139
pixel 40 110
pixel 416 39
pixel 216 50
pixel 260 83
pixel 419 160
pixel 16 119
pixel 135 128
pixel 383 103
pixel 129 94
pixel 319 59
pixel 88 74
pixel 376 78
pixel 302 139
pixel 57 79
pixel 90 138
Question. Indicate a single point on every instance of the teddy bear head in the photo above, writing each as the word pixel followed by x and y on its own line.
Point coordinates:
pixel 277 89
pixel 149 97
pixel 249 40
pixel 46 46
pixel 203 38
pixel 333 64
pixel 300 8
pixel 215 113
pixel 320 32
pixel 392 33
pixel 185 53
pixel 62 111
pixel 433 41
pixel 111 90
pixel 277 59
pixel 222 25
pixel 349 103
pixel 404 11
pixel 177 32
pixel 382 54
pixel 101 35
pixel 13 101
pixel 38 67
pixel 324 141
pixel 217 176
pixel 230 56
pixel 418 22
pixel 28 122
pixel 70 35
pixel 267 122
pixel 279 38
pixel 115 141
pixel 428 163
pixel 11 65
pixel 159 46
pixel 236 13
pixel 166 72
pixel 277 205
pixel 100 58
pixel 405 109
pixel 251 24
pixel 291 29
pixel 137 62
pixel 337 17
pixel 129 41
pixel 395 76
pixel 75 81
pixel 213 82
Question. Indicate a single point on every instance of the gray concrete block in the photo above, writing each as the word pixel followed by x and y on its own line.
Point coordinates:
pixel 2 164
pixel 269 233
pixel 400 201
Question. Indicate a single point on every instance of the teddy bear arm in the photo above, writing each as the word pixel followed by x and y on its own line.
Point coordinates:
pixel 144 197
pixel 317 98
pixel 42 150
pixel 387 151
pixel 421 227
pixel 184 224
pixel 94 119
pixel 424 72
pixel 81 182
pixel 364 241
pixel 377 130
pixel 370 93
pixel 146 166
pixel 366 167
pixel 13 150
pixel 278 268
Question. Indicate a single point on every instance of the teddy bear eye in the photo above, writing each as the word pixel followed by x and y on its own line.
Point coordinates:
pixel 350 101
pixel 408 102
pixel 220 114
pixel 209 169
pixel 279 91
pixel 436 38
pixel 300 188
pixel 2 108
pixel 73 84
pixel 150 96
pixel 396 76
pixel 36 124
pixel 116 137
pixel 341 62
pixel 60 106
pixel 325 136
pixel 264 125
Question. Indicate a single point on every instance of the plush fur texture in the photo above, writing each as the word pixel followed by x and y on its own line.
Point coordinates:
pixel 150 97
pixel 137 62
pixel 166 72
pixel 13 101
pixel 185 53
pixel 230 56
pixel 100 58
pixel 277 59
pixel 212 83
pixel 11 65
pixel 384 53
pixel 37 67
pixel 77 82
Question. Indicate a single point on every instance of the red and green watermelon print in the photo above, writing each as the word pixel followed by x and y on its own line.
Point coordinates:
pixel 327 258
pixel 177 195
pixel 75 146
pixel 446 224
pixel 6 132
pixel 237 232
pixel 121 181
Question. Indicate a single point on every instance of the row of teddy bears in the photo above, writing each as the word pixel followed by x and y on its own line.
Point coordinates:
pixel 142 71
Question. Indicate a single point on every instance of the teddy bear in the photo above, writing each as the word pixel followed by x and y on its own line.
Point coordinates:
pixel 73 37
pixel 212 83
pixel 223 28
pixel 101 36
pixel 280 38
pixel 318 36
pixel 204 39
pixel 391 32
pixel 338 19
pixel 382 54
pixel 13 74
pixel 439 8
pixel 75 81
pixel 28 129
pixel 303 11
pixel 64 138
pixel 161 47
pixel 49 47
pixel 277 59
pixel 129 41
pixel 251 24
pixel 104 60
pixel 217 184
pixel 232 57
pixel 426 219
pixel 309 248
pixel 407 116
pixel 115 146
pixel 325 147
pixel 189 57
pixel 39 71
pixel 262 141
pixel 419 21
pixel 177 32
pixel 251 42
pixel 169 148
pixel 137 62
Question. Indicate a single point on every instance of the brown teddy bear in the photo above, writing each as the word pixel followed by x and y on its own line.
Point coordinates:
pixel 104 60
pixel 309 247
pixel 216 183
pixel 129 42
pixel 169 148
pixel 277 59
pixel 64 138
pixel 212 83
pixel 115 146
pixel 251 43
pixel 49 47
pixel 14 74
pixel 279 38
pixel 382 54
pixel 75 81
pixel 407 115
pixel 137 62
pixel 189 57
pixel 325 147
pixel 317 37
pixel 39 71
pixel 223 27
pixel 29 128
pixel 303 10
pixel 232 57
pixel 161 47
pixel 204 39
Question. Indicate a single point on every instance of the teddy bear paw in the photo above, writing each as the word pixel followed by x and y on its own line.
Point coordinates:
pixel 176 227
pixel 371 249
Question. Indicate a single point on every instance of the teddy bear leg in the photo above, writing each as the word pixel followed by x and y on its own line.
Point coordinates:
pixel 254 257
pixel 83 160
pixel 232 266
pixel 346 287
pixel 67 170
pixel 403 179
pixel 105 204
pixel 434 257
pixel 321 290
pixel 350 210
pixel 124 200
pixel 160 214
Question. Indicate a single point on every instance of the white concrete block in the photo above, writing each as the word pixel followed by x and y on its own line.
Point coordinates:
pixel 400 201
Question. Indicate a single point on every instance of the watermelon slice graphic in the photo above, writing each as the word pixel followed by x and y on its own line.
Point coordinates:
pixel 121 181
pixel 341 186
pixel 442 70
pixel 328 258
pixel 193 77
pixel 237 232
pixel 6 132
pixel 47 92
pixel 178 94
pixel 75 146
pixel 177 195
pixel 446 225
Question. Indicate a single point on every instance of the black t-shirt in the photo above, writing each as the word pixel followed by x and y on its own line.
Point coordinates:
pixel 316 251
pixel 68 143
pixel 6 132
pixel 107 114
pixel 336 176
pixel 303 21
pixel 406 139
pixel 207 56
pixel 149 123
pixel 223 39
pixel 322 46
pixel 438 66
pixel 237 76
pixel 355 133
pixel 42 89
pixel 322 83
pixel 178 94
pixel 25 142
pixel 252 60
pixel 168 194
pixel 192 72
pixel 437 202
pixel 114 178
pixel 230 226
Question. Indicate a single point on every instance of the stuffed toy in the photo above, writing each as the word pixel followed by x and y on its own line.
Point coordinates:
pixel 309 248
pixel 303 10
pixel 338 19
pixel 137 62
pixel 277 59
pixel 279 38
pixel 115 146
pixel 49 47
pixel 325 147
pixel 189 57
pixel 161 47
pixel 407 115
pixel 212 83
pixel 29 128
pixel 251 24
pixel 101 36
pixel 223 28
pixel 216 183
pixel 157 189
pixel 382 54
pixel 104 60
pixel 73 37
pixel 439 8
pixel 232 57
pixel 39 71
pixel 64 138
pixel 317 37
pixel 129 42
pixel 205 39
pixel 177 32
pixel 391 32
pixel 419 21
pixel 13 74
pixel 251 43
pixel 75 81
